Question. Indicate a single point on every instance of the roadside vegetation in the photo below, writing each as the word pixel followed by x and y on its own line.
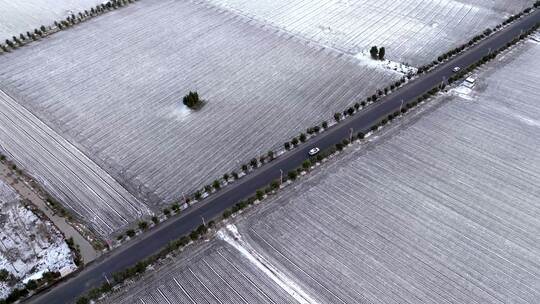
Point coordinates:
pixel 290 177
pixel 22 39
pixel 473 41
pixel 377 96
pixel 31 287
pixel 258 161
pixel 52 203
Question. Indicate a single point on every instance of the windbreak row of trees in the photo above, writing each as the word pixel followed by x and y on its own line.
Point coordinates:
pixel 14 43
pixel 73 19
pixel 486 33
pixel 255 162
pixel 292 175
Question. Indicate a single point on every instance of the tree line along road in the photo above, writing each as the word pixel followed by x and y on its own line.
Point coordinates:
pixel 152 241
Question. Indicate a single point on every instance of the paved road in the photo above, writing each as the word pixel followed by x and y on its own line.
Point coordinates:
pixel 154 240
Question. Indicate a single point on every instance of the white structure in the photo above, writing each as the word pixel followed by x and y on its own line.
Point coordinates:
pixel 470 82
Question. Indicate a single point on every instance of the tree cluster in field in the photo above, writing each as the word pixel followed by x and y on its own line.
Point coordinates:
pixel 306 165
pixel 24 38
pixel 487 32
pixel 30 286
pixel 192 100
pixel 292 175
pixel 6 276
pixel 377 53
pixel 302 137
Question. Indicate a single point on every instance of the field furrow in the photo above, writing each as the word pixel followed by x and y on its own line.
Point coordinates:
pixel 114 85
pixel 440 207
pixel 412 31
pixel 66 172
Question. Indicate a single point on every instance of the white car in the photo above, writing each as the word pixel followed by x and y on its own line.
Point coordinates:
pixel 314 151
pixel 456 69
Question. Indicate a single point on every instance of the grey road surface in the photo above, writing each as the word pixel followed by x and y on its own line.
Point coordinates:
pixel 154 240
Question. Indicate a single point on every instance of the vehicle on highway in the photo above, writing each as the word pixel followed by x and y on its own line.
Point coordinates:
pixel 314 151
pixel 456 69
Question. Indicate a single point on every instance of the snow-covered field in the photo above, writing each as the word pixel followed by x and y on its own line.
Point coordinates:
pixel 113 88
pixel 412 31
pixel 441 208
pixel 212 273
pixel 64 171
pixel 28 245
pixel 18 17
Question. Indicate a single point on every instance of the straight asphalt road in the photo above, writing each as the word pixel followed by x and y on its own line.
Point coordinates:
pixel 152 241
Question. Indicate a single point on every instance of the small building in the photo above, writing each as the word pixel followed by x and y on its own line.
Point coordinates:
pixel 469 82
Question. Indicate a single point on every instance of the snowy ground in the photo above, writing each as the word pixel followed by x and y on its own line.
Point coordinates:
pixel 440 208
pixel 18 17
pixel 113 87
pixel 262 87
pixel 413 31
pixel 64 171
pixel 28 245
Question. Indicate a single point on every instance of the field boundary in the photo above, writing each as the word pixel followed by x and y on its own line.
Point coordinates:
pixel 74 19
pixel 141 267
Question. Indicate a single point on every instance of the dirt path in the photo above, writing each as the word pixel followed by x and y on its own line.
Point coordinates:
pixel 25 191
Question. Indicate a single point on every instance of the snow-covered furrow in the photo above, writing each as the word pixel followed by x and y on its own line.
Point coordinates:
pixel 235 296
pixel 172 293
pixel 262 286
pixel 194 288
pixel 64 171
pixel 114 86
pixel 217 287
pixel 18 17
pixel 230 235
pixel 412 31
pixel 443 209
pixel 440 207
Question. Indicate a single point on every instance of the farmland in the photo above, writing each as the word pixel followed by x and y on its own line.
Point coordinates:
pixel 442 207
pixel 29 245
pixel 412 31
pixel 21 16
pixel 214 272
pixel 114 87
pixel 64 171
